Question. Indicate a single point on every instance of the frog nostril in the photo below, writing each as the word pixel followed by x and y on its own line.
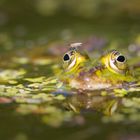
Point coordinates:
pixel 66 57
pixel 121 58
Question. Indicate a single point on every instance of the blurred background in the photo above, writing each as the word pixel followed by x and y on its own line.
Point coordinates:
pixel 33 34
pixel 46 20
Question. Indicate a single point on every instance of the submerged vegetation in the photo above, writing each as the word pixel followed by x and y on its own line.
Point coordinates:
pixel 29 81
pixel 34 85
pixel 36 100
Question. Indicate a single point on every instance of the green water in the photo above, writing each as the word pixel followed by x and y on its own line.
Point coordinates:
pixel 29 110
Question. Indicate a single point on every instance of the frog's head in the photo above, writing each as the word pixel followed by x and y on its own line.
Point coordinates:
pixel 115 62
pixel 73 60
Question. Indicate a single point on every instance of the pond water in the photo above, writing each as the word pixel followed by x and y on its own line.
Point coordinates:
pixel 30 55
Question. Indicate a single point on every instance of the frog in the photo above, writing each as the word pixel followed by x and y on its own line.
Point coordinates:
pixel 109 71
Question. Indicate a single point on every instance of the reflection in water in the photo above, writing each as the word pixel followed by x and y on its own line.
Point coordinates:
pixel 91 102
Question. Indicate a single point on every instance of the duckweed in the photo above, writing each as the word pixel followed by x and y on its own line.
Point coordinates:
pixel 33 84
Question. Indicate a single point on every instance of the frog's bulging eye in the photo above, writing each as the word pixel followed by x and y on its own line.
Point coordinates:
pixel 66 57
pixel 121 58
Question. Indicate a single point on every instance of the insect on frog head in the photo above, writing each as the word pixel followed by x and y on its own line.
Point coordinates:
pixel 73 60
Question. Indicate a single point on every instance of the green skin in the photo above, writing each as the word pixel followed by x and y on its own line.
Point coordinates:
pixel 100 76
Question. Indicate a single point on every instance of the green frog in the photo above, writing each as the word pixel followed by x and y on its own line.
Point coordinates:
pixel 110 71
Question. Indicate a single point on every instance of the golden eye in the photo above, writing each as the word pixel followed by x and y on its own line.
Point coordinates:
pixel 121 58
pixel 66 57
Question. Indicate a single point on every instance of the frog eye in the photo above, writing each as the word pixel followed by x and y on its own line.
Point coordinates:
pixel 66 57
pixel 121 58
